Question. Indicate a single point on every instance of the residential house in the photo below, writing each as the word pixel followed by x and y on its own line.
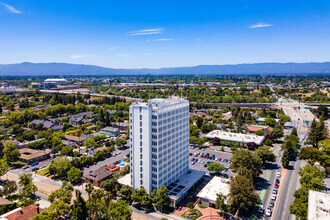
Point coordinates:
pixel 99 175
pixel 25 213
pixel 30 155
pixel 255 128
pixel 46 124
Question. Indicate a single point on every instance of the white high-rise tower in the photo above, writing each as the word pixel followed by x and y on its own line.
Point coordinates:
pixel 159 133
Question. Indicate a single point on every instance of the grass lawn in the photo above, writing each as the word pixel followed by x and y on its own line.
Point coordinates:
pixel 192 210
pixel 202 206
pixel 44 172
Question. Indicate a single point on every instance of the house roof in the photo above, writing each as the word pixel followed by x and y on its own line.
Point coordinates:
pixel 4 201
pixel 236 137
pixel 28 154
pixel 99 174
pixel 25 213
pixel 216 186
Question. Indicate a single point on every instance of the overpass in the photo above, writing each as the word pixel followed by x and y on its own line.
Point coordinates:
pixel 242 105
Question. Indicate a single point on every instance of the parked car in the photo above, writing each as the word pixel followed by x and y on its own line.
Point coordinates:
pixel 42 166
pixel 34 164
pixel 261 209
pixel 273 197
pixel 276 185
pixel 202 155
pixel 190 154
pixel 35 169
pixel 268 212
pixel 94 163
pixel 87 165
pixel 278 175
pixel 274 191
pixel 91 171
pixel 277 181
pixel 271 204
pixel 219 159
pixel 25 167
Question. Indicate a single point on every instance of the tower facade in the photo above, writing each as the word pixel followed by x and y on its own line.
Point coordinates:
pixel 159 135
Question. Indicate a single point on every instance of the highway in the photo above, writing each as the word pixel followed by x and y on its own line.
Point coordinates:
pixel 290 176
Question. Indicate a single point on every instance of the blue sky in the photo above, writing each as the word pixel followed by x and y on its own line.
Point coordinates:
pixel 153 34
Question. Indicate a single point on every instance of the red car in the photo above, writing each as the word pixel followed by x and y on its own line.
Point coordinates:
pixel 94 163
pixel 276 185
pixel 87 166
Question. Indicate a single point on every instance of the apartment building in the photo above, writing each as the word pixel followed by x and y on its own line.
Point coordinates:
pixel 159 133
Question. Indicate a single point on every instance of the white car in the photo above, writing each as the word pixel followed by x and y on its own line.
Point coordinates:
pixel 273 197
pixel 268 212
pixel 261 209
pixel 278 175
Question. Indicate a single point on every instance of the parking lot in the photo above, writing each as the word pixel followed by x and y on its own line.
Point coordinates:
pixel 202 161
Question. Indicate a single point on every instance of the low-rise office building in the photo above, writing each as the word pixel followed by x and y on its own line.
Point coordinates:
pixel 208 195
pixel 110 131
pixel 318 205
pixel 239 138
pixel 30 156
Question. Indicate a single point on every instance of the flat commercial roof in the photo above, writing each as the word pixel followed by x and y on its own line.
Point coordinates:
pixel 236 137
pixel 184 183
pixel 125 180
pixel 28 154
pixel 318 205
pixel 216 186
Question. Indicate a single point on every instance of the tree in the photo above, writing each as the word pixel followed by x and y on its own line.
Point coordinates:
pixel 311 177
pixel 269 121
pixel 322 110
pixel 89 190
pixel 12 154
pixel 242 194
pixel 215 167
pixel 260 133
pixel 277 132
pixel 60 166
pixel 110 185
pixel 199 122
pixel 4 167
pixel 190 205
pixel 9 188
pixel 25 181
pixel 141 197
pixel 79 207
pixel 265 154
pixel 66 151
pixel 220 202
pixel 317 133
pixel 119 210
pixel 268 142
pixel 310 154
pixel 247 159
pixel 286 158
pixel 300 204
pixel 75 175
pixel 193 130
pixel 125 193
pixel 160 197
pixel 62 194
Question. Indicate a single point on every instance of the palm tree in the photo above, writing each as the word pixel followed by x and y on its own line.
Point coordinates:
pixel 89 190
pixel 220 202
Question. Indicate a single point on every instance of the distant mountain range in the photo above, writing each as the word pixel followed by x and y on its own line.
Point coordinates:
pixel 78 69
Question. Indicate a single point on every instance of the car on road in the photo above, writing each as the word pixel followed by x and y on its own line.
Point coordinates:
pixel 271 204
pixel 278 175
pixel 35 169
pixel 34 164
pixel 279 155
pixel 273 197
pixel 91 171
pixel 25 167
pixel 268 212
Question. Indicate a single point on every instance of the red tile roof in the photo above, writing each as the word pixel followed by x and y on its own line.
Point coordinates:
pixel 25 213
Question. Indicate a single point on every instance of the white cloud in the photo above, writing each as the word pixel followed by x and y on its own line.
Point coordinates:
pixel 145 54
pixel 125 55
pixel 113 48
pixel 11 9
pixel 260 25
pixel 80 56
pixel 163 39
pixel 146 32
